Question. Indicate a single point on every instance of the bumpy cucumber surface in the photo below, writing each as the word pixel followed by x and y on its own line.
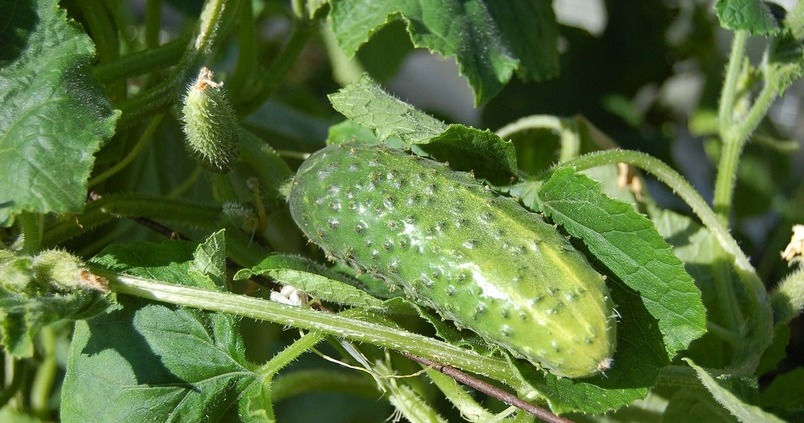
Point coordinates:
pixel 477 258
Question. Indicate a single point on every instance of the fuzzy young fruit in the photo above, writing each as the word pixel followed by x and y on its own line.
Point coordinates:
pixel 477 258
pixel 210 123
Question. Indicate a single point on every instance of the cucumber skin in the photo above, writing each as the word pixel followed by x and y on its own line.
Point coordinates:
pixel 477 258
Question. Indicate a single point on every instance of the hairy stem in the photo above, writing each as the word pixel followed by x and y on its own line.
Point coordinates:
pixel 31 227
pixel 788 298
pixel 728 93
pixel 158 98
pixel 276 73
pixel 330 324
pixel 45 377
pixel 142 62
pixel 111 207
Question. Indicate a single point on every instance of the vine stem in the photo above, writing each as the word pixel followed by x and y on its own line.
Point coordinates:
pixel 268 370
pixel 330 324
pixel 153 22
pixel 46 371
pixel 161 96
pixel 113 206
pixel 728 93
pixel 747 354
pixel 146 136
pixel 489 389
pixel 141 62
pixel 276 73
pixel 567 129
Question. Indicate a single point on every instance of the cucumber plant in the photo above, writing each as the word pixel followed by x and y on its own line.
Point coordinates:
pixel 432 256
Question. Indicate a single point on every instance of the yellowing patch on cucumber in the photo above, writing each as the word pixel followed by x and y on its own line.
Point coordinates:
pixel 477 258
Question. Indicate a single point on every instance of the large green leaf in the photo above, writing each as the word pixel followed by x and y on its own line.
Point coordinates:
pixel 54 115
pixel 744 412
pixel 146 361
pixel 753 16
pixel 629 245
pixel 785 395
pixel 368 106
pixel 366 103
pixel 489 39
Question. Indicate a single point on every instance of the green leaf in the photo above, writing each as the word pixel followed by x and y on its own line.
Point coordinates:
pixel 695 246
pixel 785 395
pixel 209 262
pixel 146 361
pixel 637 361
pixel 311 278
pixel 744 412
pixel 470 149
pixel 786 59
pixel 350 131
pixel 33 294
pixel 753 16
pixel 490 40
pixel 695 405
pixel 628 244
pixel 10 414
pixel 368 107
pixel 367 104
pixel 54 115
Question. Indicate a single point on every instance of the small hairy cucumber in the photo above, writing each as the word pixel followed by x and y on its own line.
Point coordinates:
pixel 477 258
pixel 210 123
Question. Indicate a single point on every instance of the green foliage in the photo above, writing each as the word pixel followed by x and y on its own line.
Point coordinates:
pixel 41 290
pixel 190 365
pixel 190 296
pixel 753 16
pixel 48 95
pixel 489 40
pixel 628 244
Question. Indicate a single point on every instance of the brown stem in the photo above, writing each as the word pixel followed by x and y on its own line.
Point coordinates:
pixel 489 389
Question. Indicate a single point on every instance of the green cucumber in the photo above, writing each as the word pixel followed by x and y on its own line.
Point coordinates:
pixel 477 258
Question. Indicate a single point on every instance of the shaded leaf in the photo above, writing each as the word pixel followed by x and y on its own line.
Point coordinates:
pixel 54 115
pixel 465 148
pixel 311 278
pixel 785 395
pixel 489 40
pixel 369 105
pixel 744 412
pixel 470 149
pixel 147 361
pixel 753 16
pixel 695 405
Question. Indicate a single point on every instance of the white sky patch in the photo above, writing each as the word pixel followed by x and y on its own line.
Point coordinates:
pixel 489 288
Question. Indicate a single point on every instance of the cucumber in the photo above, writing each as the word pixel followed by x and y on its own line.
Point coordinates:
pixel 451 244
